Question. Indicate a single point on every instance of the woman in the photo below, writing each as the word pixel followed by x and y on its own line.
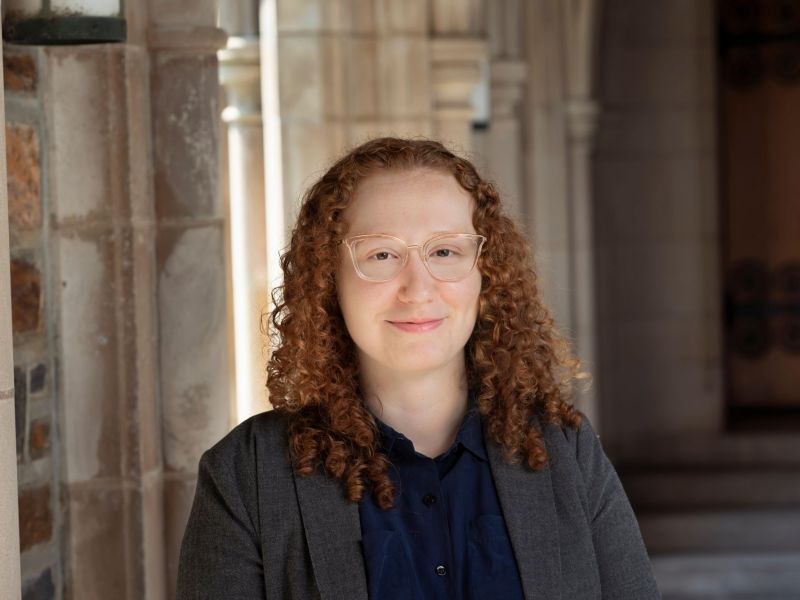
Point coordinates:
pixel 422 443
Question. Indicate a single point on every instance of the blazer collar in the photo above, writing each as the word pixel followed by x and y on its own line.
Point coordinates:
pixel 526 498
pixel 333 530
pixel 333 533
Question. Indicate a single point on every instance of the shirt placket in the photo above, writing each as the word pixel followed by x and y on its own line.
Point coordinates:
pixel 431 502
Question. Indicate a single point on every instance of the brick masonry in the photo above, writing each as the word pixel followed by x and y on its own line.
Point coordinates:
pixel 34 395
pixel 39 438
pixel 35 517
pixel 26 297
pixel 24 176
pixel 41 588
pixel 19 70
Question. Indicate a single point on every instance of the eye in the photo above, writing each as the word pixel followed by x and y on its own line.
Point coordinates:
pixel 444 253
pixel 380 256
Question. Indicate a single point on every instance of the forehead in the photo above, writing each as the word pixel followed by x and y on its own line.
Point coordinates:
pixel 409 203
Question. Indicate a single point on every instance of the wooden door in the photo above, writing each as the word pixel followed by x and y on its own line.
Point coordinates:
pixel 759 108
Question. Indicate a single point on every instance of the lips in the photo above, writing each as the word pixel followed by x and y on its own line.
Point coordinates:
pixel 416 321
pixel 417 325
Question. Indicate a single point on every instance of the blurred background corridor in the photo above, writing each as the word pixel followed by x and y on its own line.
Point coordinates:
pixel 156 152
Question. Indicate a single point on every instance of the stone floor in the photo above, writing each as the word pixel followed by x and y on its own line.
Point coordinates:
pixel 728 576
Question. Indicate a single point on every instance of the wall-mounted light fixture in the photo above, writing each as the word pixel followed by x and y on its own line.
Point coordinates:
pixel 54 22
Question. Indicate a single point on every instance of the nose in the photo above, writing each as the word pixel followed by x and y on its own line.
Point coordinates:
pixel 416 283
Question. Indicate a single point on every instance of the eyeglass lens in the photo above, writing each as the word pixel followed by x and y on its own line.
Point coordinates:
pixel 449 258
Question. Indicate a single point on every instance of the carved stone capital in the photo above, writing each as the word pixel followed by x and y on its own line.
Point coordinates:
pixel 240 76
pixel 456 70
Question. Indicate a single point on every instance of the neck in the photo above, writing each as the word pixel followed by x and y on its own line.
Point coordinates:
pixel 427 407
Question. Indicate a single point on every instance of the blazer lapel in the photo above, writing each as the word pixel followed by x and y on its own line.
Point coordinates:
pixel 526 498
pixel 333 533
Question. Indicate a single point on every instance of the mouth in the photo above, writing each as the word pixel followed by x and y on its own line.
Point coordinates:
pixel 417 325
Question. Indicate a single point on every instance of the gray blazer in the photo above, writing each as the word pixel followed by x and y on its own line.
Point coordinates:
pixel 258 530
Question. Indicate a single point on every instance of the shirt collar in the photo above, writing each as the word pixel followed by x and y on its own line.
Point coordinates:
pixel 470 434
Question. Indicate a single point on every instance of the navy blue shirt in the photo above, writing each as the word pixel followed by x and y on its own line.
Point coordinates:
pixel 445 537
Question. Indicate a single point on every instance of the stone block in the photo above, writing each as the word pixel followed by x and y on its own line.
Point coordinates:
pixel 153 547
pixel 300 96
pixel 89 371
pixel 193 349
pixel 35 517
pixel 38 376
pixel 138 335
pixel 178 495
pixel 20 408
pixel 26 297
pixel 77 89
pixel 19 69
pixel 362 16
pixel 457 17
pixel 41 588
pixel 39 438
pixel 95 541
pixel 362 78
pixel 403 77
pixel 305 16
pixel 24 176
pixel 308 148
pixel 185 100
pixel 182 13
pixel 334 65
pixel 402 16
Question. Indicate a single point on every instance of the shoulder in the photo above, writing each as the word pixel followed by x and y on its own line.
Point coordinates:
pixel 261 435
pixel 581 447
pixel 583 438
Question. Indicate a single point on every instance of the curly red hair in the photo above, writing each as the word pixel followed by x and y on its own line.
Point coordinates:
pixel 518 365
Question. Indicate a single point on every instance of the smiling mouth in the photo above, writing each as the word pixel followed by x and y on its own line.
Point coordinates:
pixel 417 326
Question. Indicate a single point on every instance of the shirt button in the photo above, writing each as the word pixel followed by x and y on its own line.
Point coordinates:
pixel 441 571
pixel 429 499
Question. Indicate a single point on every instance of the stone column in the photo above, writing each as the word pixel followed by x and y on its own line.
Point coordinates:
pixel 502 146
pixel 190 256
pixel 459 54
pixel 241 79
pixel 581 23
pixel 561 120
pixel 101 242
pixel 581 125
pixel 10 586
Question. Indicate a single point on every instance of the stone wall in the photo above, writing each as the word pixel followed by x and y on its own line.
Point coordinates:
pixel 118 278
pixel 32 301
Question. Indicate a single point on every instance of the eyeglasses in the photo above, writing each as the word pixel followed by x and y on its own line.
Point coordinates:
pixel 447 256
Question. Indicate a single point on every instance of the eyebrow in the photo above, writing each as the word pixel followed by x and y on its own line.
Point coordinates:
pixel 430 235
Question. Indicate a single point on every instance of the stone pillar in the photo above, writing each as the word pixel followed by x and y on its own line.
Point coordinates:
pixel 190 254
pixel 561 126
pixel 502 147
pixel 241 79
pixel 10 586
pixel 96 116
pixel 581 125
pixel 581 23
pixel 459 54
pixel 546 155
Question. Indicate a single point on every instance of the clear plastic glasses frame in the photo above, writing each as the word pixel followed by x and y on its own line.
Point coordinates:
pixel 422 249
